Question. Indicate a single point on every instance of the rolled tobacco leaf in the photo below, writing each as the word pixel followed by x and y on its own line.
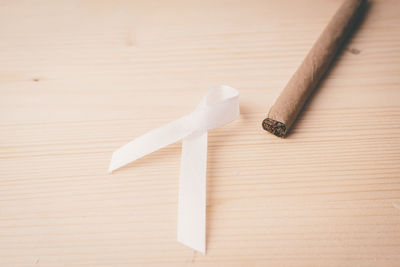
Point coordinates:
pixel 290 102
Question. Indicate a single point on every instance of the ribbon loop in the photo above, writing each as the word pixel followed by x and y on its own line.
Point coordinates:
pixel 219 107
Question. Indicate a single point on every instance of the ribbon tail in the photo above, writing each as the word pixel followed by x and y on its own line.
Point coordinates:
pixel 192 192
pixel 151 141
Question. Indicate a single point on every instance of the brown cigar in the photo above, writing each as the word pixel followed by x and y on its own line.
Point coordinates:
pixel 290 102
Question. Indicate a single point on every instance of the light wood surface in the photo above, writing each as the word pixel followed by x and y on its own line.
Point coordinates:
pixel 78 79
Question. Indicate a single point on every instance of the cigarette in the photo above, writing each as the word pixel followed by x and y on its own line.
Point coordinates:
pixel 284 111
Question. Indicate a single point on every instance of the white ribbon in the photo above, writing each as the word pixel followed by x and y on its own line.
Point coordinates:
pixel 218 107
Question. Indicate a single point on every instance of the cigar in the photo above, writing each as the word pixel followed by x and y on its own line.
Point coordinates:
pixel 290 102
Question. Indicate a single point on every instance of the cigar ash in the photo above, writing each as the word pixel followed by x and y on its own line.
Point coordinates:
pixel 275 127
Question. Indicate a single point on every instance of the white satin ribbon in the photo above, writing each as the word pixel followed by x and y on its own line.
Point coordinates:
pixel 218 107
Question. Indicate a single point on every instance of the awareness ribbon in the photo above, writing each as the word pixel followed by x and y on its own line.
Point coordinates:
pixel 217 108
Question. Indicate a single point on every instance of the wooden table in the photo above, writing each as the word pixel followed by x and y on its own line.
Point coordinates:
pixel 78 79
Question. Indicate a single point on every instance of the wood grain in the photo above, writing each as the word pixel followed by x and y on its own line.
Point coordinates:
pixel 80 78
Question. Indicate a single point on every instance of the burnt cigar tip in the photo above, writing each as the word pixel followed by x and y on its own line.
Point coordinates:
pixel 275 127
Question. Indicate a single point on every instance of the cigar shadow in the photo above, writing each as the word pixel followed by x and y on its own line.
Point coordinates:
pixel 344 48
